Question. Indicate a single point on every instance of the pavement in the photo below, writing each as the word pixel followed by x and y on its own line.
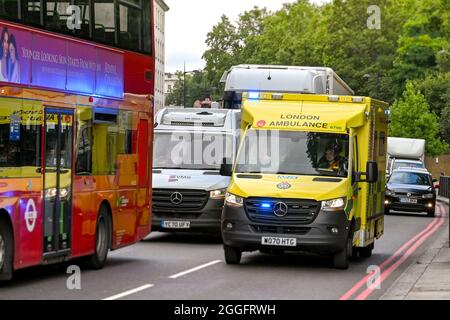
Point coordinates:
pixel 429 277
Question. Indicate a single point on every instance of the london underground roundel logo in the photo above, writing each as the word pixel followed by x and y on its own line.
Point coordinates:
pixel 30 215
pixel 261 123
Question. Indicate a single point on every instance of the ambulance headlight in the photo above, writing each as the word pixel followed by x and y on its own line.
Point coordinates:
pixel 233 200
pixel 218 194
pixel 334 204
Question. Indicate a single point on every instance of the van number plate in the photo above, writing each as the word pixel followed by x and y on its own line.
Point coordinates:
pixel 176 224
pixel 281 242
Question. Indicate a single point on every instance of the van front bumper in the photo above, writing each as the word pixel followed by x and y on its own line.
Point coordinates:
pixel 316 237
pixel 206 220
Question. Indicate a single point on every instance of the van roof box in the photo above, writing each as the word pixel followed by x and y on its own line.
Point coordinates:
pixel 194 117
pixel 292 79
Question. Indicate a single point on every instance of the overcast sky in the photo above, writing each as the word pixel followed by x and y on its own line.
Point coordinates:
pixel 188 22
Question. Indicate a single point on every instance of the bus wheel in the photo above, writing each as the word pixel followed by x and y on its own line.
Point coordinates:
pixel 102 241
pixel 232 255
pixel 341 259
pixel 6 252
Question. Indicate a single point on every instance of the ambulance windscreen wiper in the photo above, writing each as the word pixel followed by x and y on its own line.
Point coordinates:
pixel 283 172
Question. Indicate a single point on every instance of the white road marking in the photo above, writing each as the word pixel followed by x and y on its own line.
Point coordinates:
pixel 129 292
pixel 195 269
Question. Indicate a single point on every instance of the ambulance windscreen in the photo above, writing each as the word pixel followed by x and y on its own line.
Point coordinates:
pixel 293 152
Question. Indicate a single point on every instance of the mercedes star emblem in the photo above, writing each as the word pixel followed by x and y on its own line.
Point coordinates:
pixel 176 198
pixel 280 209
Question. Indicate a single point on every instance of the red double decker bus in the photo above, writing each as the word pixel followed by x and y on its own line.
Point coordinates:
pixel 76 123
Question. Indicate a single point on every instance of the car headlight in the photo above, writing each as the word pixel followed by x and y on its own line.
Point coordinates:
pixel 334 204
pixel 233 200
pixel 428 196
pixel 218 194
pixel 390 193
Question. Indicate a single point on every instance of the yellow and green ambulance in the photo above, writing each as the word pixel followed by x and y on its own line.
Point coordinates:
pixel 309 176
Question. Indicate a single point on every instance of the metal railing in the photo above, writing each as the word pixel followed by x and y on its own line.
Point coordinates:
pixel 444 187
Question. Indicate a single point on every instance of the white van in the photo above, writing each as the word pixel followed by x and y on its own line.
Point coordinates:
pixel 280 79
pixel 189 146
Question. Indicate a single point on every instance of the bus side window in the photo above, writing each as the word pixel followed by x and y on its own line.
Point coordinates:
pixel 83 165
pixel 20 139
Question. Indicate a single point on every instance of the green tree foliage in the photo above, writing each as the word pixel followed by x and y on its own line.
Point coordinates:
pixel 195 87
pixel 411 118
pixel 230 44
pixel 424 42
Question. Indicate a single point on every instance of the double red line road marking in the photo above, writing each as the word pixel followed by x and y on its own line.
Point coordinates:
pixel 392 263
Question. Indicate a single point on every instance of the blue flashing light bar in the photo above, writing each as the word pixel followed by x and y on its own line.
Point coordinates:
pixel 253 95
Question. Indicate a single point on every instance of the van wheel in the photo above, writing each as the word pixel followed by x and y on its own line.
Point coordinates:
pixel 341 259
pixel 232 255
pixel 6 252
pixel 366 252
pixel 102 240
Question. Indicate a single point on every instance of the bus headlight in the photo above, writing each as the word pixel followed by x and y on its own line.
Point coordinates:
pixel 334 204
pixel 233 200
pixel 51 193
pixel 218 194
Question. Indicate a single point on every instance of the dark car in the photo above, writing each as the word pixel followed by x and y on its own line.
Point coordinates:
pixel 410 189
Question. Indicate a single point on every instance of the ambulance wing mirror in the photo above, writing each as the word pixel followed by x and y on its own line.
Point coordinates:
pixel 371 172
pixel 226 169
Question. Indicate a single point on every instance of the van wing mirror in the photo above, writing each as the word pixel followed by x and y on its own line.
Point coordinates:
pixel 226 169
pixel 371 172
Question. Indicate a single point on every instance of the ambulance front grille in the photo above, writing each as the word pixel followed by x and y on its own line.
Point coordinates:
pixel 300 211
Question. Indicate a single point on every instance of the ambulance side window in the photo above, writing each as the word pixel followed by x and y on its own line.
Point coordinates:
pixel 355 155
